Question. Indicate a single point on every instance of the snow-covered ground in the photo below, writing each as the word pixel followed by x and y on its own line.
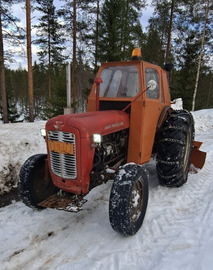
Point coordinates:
pixel 177 232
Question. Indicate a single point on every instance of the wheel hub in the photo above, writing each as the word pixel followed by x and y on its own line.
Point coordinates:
pixel 136 201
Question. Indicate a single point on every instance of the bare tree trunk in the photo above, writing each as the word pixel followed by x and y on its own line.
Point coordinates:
pixel 74 94
pixel 49 77
pixel 200 57
pixel 160 51
pixel 49 66
pixel 210 89
pixel 170 30
pixel 29 62
pixel 96 36
pixel 125 30
pixel 2 75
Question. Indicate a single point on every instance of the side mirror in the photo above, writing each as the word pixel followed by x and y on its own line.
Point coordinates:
pixel 151 85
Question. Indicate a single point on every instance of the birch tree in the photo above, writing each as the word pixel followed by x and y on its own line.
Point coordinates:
pixel 169 31
pixel 200 55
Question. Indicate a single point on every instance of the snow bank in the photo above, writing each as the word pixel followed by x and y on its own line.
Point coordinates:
pixel 17 142
pixel 203 120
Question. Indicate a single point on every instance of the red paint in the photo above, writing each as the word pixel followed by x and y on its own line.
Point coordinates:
pixel 84 125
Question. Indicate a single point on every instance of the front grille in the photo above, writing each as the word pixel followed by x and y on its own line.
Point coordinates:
pixel 63 165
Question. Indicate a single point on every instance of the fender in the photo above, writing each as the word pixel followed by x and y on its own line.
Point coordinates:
pixel 164 114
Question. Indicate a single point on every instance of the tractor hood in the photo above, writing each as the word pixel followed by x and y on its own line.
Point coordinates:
pixel 102 122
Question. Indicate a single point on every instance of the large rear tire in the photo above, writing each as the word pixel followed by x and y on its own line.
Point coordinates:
pixel 35 184
pixel 128 200
pixel 174 149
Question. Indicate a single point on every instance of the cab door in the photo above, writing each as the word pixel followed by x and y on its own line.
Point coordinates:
pixel 153 105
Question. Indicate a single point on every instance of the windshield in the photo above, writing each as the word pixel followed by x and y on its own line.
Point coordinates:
pixel 120 81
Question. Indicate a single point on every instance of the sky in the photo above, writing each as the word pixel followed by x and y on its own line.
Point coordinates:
pixel 19 12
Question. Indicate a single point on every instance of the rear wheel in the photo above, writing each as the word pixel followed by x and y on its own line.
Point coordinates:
pixel 128 200
pixel 35 184
pixel 174 149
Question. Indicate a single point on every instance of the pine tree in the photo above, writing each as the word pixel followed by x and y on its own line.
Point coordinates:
pixel 92 25
pixel 187 62
pixel 77 16
pixel 68 12
pixel 159 23
pixel 29 61
pixel 7 21
pixel 17 96
pixel 119 29
pixel 131 29
pixel 50 39
pixel 150 47
pixel 110 32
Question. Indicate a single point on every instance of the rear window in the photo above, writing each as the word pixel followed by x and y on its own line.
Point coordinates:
pixel 120 81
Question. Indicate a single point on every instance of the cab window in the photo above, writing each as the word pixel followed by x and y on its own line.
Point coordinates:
pixel 152 81
pixel 119 81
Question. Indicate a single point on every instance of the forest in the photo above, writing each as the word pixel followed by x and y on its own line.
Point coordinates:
pixel 85 33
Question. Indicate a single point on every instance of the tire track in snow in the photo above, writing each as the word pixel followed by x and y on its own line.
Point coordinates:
pixel 180 214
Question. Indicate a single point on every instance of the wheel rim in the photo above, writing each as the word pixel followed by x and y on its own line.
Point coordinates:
pixel 136 201
pixel 187 151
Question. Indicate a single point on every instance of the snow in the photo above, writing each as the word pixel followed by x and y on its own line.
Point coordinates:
pixel 177 104
pixel 177 232
pixel 18 142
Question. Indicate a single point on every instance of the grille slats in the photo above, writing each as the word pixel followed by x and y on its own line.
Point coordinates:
pixel 63 165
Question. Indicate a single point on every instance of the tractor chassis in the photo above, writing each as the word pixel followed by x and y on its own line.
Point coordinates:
pixel 71 202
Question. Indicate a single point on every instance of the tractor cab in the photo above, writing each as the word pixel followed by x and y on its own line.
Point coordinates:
pixel 145 87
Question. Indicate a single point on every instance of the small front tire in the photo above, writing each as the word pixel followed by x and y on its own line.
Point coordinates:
pixel 128 200
pixel 35 183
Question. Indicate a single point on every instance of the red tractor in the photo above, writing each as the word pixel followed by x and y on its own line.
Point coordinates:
pixel 129 118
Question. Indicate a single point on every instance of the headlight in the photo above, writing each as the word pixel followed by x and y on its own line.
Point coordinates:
pixel 43 132
pixel 97 138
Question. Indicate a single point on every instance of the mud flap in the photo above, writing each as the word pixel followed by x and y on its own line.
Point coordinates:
pixel 64 201
pixel 198 157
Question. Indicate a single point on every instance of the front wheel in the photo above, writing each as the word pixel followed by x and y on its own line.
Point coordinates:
pixel 128 199
pixel 35 183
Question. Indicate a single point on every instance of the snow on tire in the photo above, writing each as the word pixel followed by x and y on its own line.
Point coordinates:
pixel 175 144
pixel 34 185
pixel 128 199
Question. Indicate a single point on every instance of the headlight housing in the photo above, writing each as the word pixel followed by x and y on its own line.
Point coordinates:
pixel 43 132
pixel 97 138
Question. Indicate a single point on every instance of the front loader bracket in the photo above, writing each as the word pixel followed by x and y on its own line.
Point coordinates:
pixel 64 201
pixel 198 157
